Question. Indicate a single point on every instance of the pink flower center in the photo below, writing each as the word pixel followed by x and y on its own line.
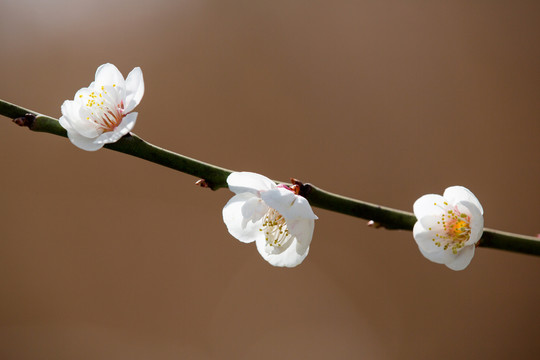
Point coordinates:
pixel 456 230
pixel 106 111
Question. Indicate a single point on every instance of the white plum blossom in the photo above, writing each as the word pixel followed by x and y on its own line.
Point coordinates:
pixel 103 112
pixel 449 226
pixel 279 221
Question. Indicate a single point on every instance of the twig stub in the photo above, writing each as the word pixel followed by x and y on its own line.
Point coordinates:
pixel 202 183
pixel 26 120
pixel 374 224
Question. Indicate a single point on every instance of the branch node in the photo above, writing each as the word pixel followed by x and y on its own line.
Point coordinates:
pixel 374 224
pixel 300 188
pixel 26 120
pixel 202 183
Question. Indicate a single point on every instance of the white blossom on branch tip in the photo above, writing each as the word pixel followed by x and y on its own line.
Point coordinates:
pixel 279 221
pixel 103 112
pixel 449 226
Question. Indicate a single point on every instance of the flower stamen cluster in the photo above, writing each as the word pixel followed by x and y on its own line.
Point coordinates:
pixel 275 229
pixel 105 112
pixel 456 230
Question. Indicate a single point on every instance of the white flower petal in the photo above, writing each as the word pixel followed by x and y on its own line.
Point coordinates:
pixel 432 223
pixel 455 194
pixel 113 95
pixel 82 94
pixel 83 142
pixel 240 227
pixel 424 238
pixel 462 259
pixel 288 204
pixel 109 75
pixel 477 220
pixel 124 128
pixel 65 123
pixel 288 258
pixel 302 229
pixel 108 137
pixel 429 204
pixel 128 123
pixel 71 111
pixel 254 208
pixel 134 89
pixel 276 250
pixel 240 182
pixel 439 257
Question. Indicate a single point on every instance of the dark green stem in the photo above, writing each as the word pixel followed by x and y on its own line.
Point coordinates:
pixel 402 220
pixel 388 218
pixel 215 177
pixel 496 239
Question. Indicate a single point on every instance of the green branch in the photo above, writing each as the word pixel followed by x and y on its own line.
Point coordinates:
pixel 215 177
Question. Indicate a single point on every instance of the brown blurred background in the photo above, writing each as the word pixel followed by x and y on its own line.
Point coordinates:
pixel 105 256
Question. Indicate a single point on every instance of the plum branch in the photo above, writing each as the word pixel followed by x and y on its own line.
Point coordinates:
pixel 215 177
